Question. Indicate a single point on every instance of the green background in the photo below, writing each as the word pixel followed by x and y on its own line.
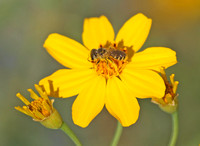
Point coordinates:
pixel 25 24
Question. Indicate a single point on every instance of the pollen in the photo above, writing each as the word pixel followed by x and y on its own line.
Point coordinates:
pixel 109 60
pixel 40 105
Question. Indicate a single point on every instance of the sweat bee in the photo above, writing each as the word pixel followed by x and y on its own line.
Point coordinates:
pixel 103 53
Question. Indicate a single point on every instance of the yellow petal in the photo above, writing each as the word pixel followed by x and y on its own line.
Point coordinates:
pixel 67 51
pixel 41 92
pixel 33 94
pixel 120 103
pixel 23 99
pixel 69 82
pixel 97 31
pixel 21 110
pixel 143 83
pixel 153 58
pixel 89 102
pixel 135 31
pixel 28 111
pixel 175 86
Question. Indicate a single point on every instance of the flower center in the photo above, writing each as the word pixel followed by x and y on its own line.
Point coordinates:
pixel 109 60
pixel 40 108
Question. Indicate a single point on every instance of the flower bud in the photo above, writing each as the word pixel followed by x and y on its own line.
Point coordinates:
pixel 169 102
pixel 41 109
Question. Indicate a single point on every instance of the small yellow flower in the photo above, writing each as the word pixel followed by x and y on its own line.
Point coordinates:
pixel 41 109
pixel 169 102
pixel 107 70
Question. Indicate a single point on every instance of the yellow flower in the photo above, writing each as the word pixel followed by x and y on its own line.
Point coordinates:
pixel 41 109
pixel 169 102
pixel 108 71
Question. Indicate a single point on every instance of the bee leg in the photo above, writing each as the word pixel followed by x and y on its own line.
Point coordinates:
pixel 98 61
pixel 113 65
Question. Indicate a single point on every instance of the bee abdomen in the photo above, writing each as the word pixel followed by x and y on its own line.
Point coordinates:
pixel 117 54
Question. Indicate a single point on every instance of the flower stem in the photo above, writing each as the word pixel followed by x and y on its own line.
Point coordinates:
pixel 70 133
pixel 175 129
pixel 117 135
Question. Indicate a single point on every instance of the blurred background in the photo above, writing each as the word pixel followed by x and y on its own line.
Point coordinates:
pixel 25 24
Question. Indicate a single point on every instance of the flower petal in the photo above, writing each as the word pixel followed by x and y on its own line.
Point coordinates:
pixel 154 58
pixel 143 83
pixel 67 51
pixel 97 31
pixel 89 102
pixel 68 82
pixel 135 31
pixel 120 103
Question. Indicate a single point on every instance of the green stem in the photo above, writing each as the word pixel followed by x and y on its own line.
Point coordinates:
pixel 175 129
pixel 117 135
pixel 70 133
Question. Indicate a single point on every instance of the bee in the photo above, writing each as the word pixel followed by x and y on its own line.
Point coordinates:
pixel 103 53
pixel 118 54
